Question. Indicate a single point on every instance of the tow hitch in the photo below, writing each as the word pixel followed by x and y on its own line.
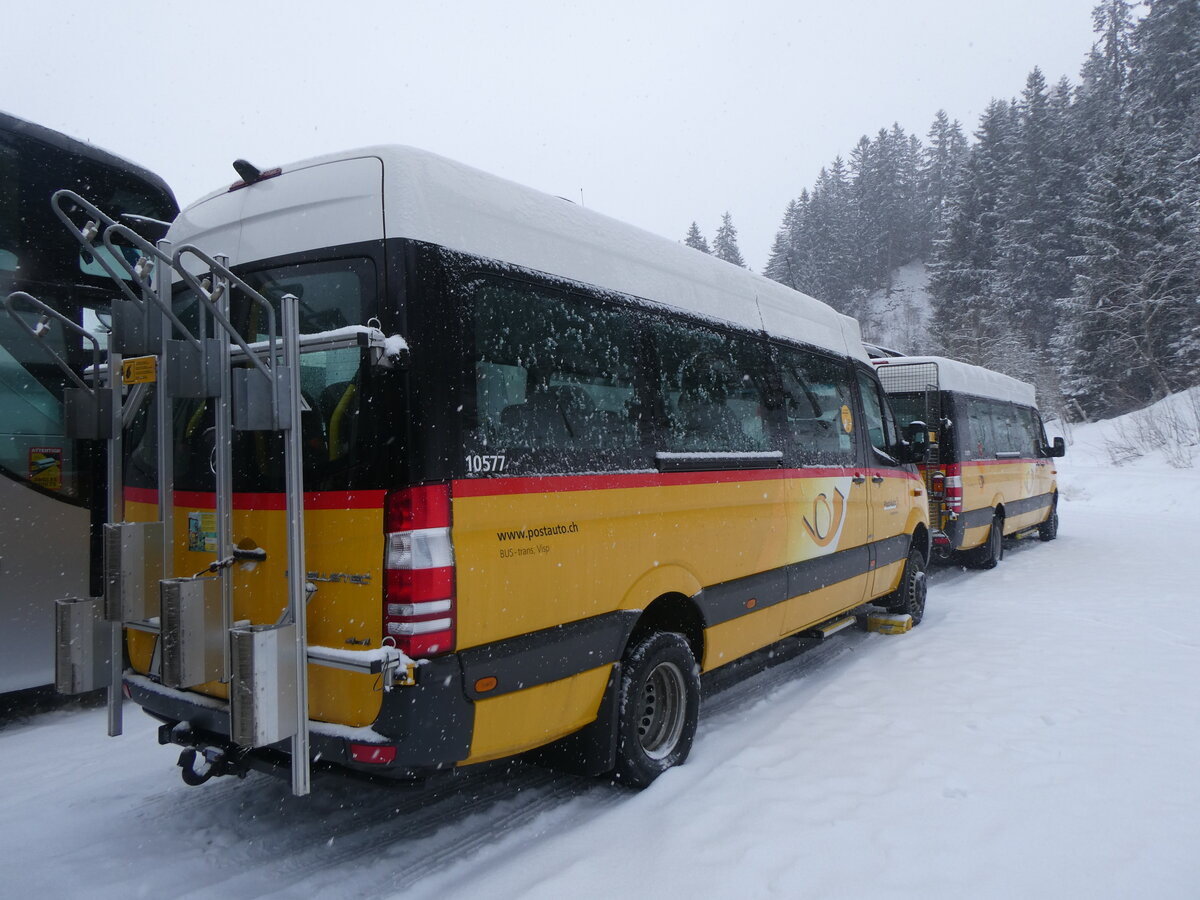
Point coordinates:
pixel 203 763
pixel 199 761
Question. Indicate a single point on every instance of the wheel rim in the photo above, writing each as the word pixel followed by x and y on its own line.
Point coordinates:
pixel 917 604
pixel 997 540
pixel 663 708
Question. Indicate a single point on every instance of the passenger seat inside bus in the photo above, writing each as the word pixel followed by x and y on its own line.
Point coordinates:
pixel 338 405
pixel 559 415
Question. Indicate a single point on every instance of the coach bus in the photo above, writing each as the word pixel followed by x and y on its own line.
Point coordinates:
pixel 990 471
pixel 51 487
pixel 611 464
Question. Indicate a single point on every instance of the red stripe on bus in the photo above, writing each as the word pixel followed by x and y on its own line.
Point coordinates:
pixel 141 495
pixel 535 484
pixel 998 462
pixel 549 484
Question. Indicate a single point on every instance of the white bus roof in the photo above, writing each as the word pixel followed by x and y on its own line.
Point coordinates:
pixel 965 378
pixel 433 199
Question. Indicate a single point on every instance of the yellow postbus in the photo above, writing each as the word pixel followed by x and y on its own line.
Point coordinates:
pixel 596 465
pixel 990 470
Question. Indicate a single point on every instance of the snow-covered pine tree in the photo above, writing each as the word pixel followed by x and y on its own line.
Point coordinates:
pixel 968 323
pixel 1037 205
pixel 942 159
pixel 830 251
pixel 1101 98
pixel 725 242
pixel 783 264
pixel 1165 63
pixel 695 239
pixel 1134 332
pixel 1098 116
pixel 1134 278
pixel 884 173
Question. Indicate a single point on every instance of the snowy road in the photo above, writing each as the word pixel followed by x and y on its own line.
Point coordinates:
pixel 1037 736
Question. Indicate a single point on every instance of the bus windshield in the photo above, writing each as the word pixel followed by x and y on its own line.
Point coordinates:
pixel 39 256
pixel 910 408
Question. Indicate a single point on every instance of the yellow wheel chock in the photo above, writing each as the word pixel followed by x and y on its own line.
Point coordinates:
pixel 889 623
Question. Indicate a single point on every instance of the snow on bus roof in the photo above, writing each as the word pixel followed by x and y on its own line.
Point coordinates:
pixel 437 200
pixel 965 378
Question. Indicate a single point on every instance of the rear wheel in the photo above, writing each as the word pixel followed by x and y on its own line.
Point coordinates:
pixel 1048 530
pixel 992 551
pixel 660 706
pixel 909 597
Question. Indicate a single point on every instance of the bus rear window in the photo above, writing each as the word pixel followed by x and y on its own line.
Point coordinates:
pixel 335 425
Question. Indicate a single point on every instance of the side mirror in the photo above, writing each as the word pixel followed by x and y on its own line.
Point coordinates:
pixel 917 434
pixel 1058 448
pixel 915 443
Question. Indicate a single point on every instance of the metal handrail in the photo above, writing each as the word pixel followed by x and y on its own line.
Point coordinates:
pixel 87 235
pixel 209 301
pixel 138 273
pixel 43 327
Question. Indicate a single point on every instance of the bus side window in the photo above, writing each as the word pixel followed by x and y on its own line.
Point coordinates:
pixel 713 389
pixel 552 370
pixel 981 442
pixel 1031 432
pixel 815 391
pixel 1004 427
pixel 881 427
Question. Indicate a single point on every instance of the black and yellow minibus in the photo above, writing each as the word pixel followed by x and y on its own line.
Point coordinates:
pixel 612 464
pixel 991 471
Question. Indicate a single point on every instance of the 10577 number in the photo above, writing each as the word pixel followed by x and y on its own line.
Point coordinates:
pixel 481 465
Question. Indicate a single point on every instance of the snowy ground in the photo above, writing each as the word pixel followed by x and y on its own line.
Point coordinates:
pixel 1037 736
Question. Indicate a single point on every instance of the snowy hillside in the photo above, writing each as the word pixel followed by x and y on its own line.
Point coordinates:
pixel 898 317
pixel 1036 736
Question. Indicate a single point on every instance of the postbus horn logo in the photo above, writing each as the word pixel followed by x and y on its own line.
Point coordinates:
pixel 827 516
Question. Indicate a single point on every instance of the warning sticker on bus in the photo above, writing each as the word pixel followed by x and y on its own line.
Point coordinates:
pixel 202 532
pixel 45 467
pixel 139 370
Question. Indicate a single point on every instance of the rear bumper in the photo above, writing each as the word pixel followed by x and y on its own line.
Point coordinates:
pixel 428 724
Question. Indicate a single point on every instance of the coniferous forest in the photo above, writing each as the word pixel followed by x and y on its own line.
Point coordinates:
pixel 1061 238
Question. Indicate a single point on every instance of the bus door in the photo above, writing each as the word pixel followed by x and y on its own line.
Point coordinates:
pixel 888 485
pixel 46 483
pixel 827 512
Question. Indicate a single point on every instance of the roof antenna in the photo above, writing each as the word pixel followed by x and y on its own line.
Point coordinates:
pixel 248 172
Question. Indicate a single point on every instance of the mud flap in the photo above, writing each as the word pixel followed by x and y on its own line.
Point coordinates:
pixel 593 749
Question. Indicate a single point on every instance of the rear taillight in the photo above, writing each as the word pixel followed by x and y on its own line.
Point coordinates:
pixel 953 489
pixel 418 593
pixel 937 483
pixel 375 754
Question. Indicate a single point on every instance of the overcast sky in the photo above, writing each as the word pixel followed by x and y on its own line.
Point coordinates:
pixel 655 113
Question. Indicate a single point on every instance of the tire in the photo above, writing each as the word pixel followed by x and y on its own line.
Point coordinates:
pixel 1048 530
pixel 992 551
pixel 909 597
pixel 659 708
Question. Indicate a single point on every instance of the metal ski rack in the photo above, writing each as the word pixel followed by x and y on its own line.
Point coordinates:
pixel 269 696
pixel 198 642
pixel 136 555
